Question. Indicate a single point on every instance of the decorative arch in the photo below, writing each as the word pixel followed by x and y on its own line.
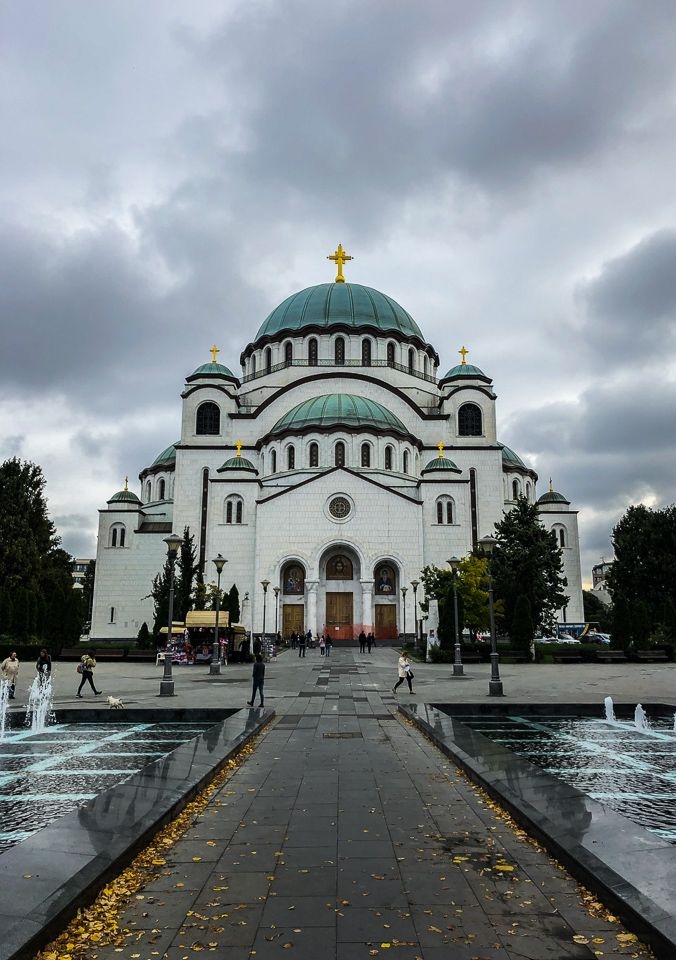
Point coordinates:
pixel 445 506
pixel 411 360
pixel 339 454
pixel 561 535
pixel 312 352
pixel 470 420
pixel 288 353
pixel 389 457
pixel 291 457
pixel 405 462
pixel 366 352
pixel 161 489
pixel 366 454
pixel 234 509
pixel 385 579
pixel 339 351
pixel 390 354
pixel 208 419
pixel 117 535
pixel 273 461
pixel 516 489
pixel 149 490
pixel 313 454
pixel 293 579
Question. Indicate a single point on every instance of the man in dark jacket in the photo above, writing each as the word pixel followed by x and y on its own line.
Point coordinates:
pixel 258 680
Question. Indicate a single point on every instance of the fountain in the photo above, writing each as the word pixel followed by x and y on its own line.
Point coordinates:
pixel 641 718
pixel 610 712
pixel 4 705
pixel 39 708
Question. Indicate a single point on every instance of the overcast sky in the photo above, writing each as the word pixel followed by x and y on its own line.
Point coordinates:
pixel 505 170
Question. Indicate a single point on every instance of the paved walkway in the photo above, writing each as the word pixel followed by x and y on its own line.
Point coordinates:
pixel 346 834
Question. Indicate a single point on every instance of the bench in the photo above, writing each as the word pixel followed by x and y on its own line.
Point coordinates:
pixel 568 658
pixel 471 657
pixel 610 656
pixel 106 655
pixel 651 656
pixel 148 656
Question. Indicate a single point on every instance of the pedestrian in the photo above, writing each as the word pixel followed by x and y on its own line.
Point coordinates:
pixel 362 642
pixel 322 645
pixel 10 672
pixel 329 644
pixel 301 644
pixel 43 665
pixel 369 641
pixel 257 647
pixel 294 640
pixel 86 668
pixel 258 680
pixel 405 673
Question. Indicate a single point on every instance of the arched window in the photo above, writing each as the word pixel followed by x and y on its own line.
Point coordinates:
pixel 313 454
pixel 515 489
pixel 123 532
pixel 228 511
pixel 238 512
pixel 560 533
pixel 288 353
pixel 253 365
pixel 405 461
pixel 268 359
pixel 273 461
pixel 426 365
pixel 339 350
pixel 411 360
pixel 366 353
pixel 148 491
pixel 528 491
pixel 312 353
pixel 233 509
pixel 117 535
pixel 445 510
pixel 470 420
pixel 291 458
pixel 293 580
pixel 208 420
pixel 388 458
pixel 339 454
pixel 390 354
pixel 160 489
pixel 366 454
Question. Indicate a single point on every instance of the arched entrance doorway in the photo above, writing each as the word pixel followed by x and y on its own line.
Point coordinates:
pixel 386 596
pixel 340 592
pixel 293 598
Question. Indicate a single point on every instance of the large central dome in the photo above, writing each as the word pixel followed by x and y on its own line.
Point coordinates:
pixel 347 305
pixel 339 410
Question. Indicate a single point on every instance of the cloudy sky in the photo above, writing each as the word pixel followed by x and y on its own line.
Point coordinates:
pixel 505 170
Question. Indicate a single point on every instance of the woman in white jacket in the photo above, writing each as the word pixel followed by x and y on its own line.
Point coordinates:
pixel 405 673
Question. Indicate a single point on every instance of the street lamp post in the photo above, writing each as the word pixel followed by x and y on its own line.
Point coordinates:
pixel 415 584
pixel 215 668
pixel 173 543
pixel 458 669
pixel 487 545
pixel 276 589
pixel 265 584
pixel 404 591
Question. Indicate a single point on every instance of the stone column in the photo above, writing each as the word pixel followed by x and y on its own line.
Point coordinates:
pixel 367 605
pixel 311 606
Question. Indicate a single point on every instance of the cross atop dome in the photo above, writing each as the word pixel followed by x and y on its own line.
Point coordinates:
pixel 463 353
pixel 339 258
pixel 214 350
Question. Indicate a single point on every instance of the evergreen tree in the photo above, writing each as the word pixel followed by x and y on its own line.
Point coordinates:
pixel 143 637
pixel 522 632
pixel 186 571
pixel 595 611
pixel 473 594
pixel 527 561
pixel 88 591
pixel 233 604
pixel 160 594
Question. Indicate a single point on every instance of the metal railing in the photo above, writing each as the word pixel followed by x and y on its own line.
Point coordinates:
pixel 400 367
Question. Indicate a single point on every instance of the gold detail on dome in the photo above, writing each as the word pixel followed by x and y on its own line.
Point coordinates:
pixel 126 484
pixel 214 350
pixel 463 353
pixel 238 444
pixel 440 445
pixel 551 486
pixel 339 258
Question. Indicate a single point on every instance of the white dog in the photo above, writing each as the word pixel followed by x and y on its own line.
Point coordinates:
pixel 115 703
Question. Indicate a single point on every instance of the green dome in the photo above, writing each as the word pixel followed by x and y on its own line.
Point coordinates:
pixel 511 459
pixel 237 463
pixel 339 410
pixel 552 497
pixel 464 370
pixel 125 496
pixel 441 463
pixel 348 305
pixel 167 456
pixel 212 370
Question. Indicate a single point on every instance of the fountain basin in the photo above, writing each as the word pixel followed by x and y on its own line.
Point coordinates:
pixel 631 869
pixel 48 876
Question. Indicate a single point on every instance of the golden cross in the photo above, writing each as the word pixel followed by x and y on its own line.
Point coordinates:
pixel 551 486
pixel 214 350
pixel 463 353
pixel 126 484
pixel 441 448
pixel 339 258
pixel 238 444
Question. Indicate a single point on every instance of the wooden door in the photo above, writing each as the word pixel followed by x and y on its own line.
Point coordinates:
pixel 339 615
pixel 293 618
pixel 386 621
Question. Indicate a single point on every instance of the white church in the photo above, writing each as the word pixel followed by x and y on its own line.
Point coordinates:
pixel 334 468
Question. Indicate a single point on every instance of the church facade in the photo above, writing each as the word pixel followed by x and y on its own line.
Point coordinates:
pixel 333 469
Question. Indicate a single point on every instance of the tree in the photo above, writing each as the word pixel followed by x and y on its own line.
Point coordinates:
pixel 88 590
pixel 439 584
pixel 160 594
pixel 595 611
pixel 143 636
pixel 642 578
pixel 522 632
pixel 186 571
pixel 473 593
pixel 233 604
pixel 527 561
pixel 472 590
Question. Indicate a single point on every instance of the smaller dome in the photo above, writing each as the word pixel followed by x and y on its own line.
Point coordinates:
pixel 553 497
pixel 339 410
pixel 125 496
pixel 464 370
pixel 212 370
pixel 511 459
pixel 237 463
pixel 167 456
pixel 441 463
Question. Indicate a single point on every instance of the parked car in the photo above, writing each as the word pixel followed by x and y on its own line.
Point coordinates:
pixel 566 638
pixel 598 637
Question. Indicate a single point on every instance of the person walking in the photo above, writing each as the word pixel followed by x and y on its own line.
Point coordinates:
pixel 405 673
pixel 369 641
pixel 329 644
pixel 294 640
pixel 43 665
pixel 322 645
pixel 258 680
pixel 10 672
pixel 362 642
pixel 86 669
pixel 301 644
